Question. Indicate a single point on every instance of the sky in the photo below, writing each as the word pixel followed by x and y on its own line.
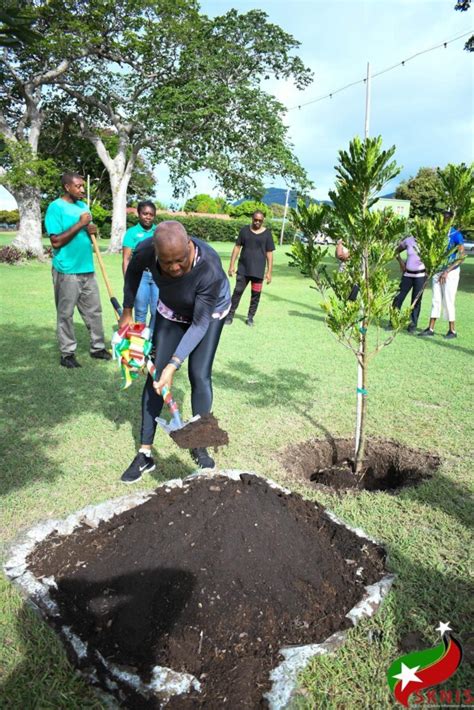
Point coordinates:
pixel 424 108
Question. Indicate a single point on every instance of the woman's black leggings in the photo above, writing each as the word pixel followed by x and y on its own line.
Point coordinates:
pixel 240 286
pixel 166 336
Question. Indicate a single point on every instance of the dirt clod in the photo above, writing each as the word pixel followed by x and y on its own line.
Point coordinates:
pixel 203 432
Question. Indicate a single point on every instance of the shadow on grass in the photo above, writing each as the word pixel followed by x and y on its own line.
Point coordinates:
pixel 310 316
pixel 143 606
pixel 285 385
pixel 444 494
pixel 40 396
pixel 423 596
pixel 274 297
pixel 420 598
pixel 439 340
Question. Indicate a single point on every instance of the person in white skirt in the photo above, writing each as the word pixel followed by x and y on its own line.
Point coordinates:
pixel 445 283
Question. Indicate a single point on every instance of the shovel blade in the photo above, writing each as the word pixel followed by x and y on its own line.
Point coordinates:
pixel 172 425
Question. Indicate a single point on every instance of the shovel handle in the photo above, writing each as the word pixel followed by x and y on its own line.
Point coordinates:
pixel 113 300
pixel 172 406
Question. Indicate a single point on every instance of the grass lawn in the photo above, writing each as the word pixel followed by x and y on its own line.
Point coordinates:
pixel 67 435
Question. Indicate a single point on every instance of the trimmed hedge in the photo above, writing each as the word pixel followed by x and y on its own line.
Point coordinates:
pixel 218 230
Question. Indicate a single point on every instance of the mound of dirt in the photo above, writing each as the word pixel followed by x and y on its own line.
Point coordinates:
pixel 389 465
pixel 203 432
pixel 209 579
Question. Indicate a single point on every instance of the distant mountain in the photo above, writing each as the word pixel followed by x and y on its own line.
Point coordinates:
pixel 274 195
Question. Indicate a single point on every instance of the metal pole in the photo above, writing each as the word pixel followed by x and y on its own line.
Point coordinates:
pixel 367 102
pixel 282 233
pixel 359 366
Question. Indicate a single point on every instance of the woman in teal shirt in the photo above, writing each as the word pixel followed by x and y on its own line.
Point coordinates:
pixel 147 294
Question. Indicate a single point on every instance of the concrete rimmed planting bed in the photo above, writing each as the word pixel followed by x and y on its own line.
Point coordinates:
pixel 210 591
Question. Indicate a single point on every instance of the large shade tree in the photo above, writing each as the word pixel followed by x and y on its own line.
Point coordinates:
pixel 187 89
pixel 62 141
pixel 66 34
pixel 423 190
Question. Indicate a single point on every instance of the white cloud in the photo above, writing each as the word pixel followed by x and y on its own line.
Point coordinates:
pixel 425 108
pixel 7 201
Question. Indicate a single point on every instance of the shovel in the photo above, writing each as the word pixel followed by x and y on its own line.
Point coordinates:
pixel 176 423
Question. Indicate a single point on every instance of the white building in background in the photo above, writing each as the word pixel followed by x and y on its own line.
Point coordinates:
pixel 400 207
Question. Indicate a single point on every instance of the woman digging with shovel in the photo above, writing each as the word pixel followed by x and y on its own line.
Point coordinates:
pixel 193 303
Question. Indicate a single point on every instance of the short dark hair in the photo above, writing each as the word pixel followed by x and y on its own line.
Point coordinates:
pixel 67 178
pixel 146 203
pixel 448 213
pixel 258 212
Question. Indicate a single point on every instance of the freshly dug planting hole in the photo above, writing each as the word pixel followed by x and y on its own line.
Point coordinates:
pixel 203 432
pixel 209 578
pixel 388 464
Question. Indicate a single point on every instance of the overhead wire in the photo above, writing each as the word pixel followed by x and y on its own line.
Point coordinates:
pixel 382 71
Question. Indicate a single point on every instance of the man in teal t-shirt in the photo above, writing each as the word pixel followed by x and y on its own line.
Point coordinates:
pixel 147 294
pixel 68 224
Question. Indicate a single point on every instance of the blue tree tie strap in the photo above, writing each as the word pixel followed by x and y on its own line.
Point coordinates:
pixel 362 390
pixel 362 330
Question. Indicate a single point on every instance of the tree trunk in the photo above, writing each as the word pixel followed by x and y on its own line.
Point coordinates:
pixel 362 374
pixel 360 450
pixel 119 185
pixel 30 232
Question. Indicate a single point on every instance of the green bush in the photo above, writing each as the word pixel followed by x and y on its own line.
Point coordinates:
pixel 223 230
pixel 204 203
pixel 248 207
pixel 100 215
pixel 9 216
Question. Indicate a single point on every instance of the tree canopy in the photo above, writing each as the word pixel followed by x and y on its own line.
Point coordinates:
pixel 164 79
pixel 205 204
pixel 423 190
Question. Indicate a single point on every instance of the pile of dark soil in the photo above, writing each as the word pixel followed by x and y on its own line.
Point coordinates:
pixel 389 465
pixel 210 579
pixel 203 432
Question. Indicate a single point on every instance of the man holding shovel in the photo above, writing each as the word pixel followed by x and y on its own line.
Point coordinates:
pixel 194 299
pixel 68 224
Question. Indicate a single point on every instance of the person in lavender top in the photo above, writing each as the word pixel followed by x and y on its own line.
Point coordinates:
pixel 413 279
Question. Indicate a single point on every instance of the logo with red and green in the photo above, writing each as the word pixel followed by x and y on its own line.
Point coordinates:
pixel 423 669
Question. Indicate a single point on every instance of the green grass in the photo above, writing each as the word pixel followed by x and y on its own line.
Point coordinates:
pixel 67 435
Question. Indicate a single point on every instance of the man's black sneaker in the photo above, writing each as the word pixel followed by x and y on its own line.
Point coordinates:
pixel 426 332
pixel 249 321
pixel 101 355
pixel 202 458
pixel 451 334
pixel 411 328
pixel 69 361
pixel 141 464
pixel 229 320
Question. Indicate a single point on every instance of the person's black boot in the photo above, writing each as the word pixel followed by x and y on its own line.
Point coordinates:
pixel 202 458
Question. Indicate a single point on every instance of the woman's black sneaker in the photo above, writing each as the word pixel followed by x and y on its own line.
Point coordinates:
pixel 202 458
pixel 141 464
